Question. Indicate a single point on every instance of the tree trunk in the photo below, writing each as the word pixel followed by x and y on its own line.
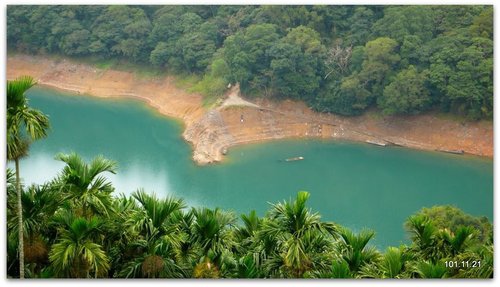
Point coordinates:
pixel 84 210
pixel 20 221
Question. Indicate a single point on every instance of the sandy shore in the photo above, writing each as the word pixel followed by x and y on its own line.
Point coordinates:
pixel 213 131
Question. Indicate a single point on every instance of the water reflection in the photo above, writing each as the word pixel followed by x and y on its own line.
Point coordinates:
pixel 39 168
pixel 136 176
pixel 42 167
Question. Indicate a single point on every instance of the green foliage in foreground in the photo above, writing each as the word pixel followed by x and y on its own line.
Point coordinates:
pixel 75 228
pixel 24 125
pixel 341 59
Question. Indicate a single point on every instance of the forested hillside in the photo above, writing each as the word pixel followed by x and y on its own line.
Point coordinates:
pixel 340 59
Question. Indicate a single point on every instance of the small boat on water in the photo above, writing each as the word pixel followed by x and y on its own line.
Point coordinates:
pixel 452 151
pixel 294 158
pixel 379 143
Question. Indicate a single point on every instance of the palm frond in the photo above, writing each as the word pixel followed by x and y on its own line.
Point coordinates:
pixel 100 164
pixel 340 269
pixel 16 90
pixel 426 269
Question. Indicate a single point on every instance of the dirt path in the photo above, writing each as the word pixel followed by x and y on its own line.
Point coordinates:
pixel 238 121
pixel 234 99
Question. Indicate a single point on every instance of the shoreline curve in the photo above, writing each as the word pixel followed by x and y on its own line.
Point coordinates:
pixel 212 131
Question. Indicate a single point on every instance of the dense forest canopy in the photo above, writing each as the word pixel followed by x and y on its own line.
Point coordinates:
pixel 339 59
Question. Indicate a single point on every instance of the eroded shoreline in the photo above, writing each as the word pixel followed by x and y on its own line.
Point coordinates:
pixel 212 132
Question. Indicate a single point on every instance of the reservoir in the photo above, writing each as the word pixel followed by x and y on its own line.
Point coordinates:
pixel 354 184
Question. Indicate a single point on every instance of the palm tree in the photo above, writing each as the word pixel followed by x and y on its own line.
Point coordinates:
pixel 12 238
pixel 24 125
pixel 212 231
pixel 246 233
pixel 427 269
pixel 118 235
pixel 423 234
pixel 395 263
pixel 478 253
pixel 292 231
pixel 156 259
pixel 188 253
pixel 159 237
pixel 154 213
pixel 39 202
pixel 76 254
pixel 11 194
pixel 248 249
pixel 248 267
pixel 458 241
pixel 340 269
pixel 354 248
pixel 84 185
pixel 434 244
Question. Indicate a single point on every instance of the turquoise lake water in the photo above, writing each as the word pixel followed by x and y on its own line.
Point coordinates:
pixel 354 184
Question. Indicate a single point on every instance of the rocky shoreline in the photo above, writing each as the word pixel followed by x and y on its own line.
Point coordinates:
pixel 212 132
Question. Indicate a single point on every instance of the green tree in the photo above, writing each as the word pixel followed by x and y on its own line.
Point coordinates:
pixel 395 263
pixel 483 24
pixel 330 21
pixel 482 253
pixel 19 27
pixel 452 218
pixel 400 21
pixel 84 185
pixel 24 124
pixel 76 254
pixel 307 39
pixel 118 236
pixel 76 43
pixel 251 224
pixel 212 231
pixel 181 42
pixel 39 205
pixel 246 54
pixel 297 236
pixel 423 236
pixel 406 94
pixel 455 17
pixel 123 31
pixel 294 73
pixel 67 34
pixel 155 215
pixel 215 80
pixel 159 56
pixel 414 52
pixel 346 97
pixel 354 250
pixel 356 63
pixel 159 238
pixel 380 60
pixel 296 65
pixel 427 269
pixel 462 70
pixel 41 39
pixel 197 50
pixel 360 26
pixel 340 269
pixel 284 17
